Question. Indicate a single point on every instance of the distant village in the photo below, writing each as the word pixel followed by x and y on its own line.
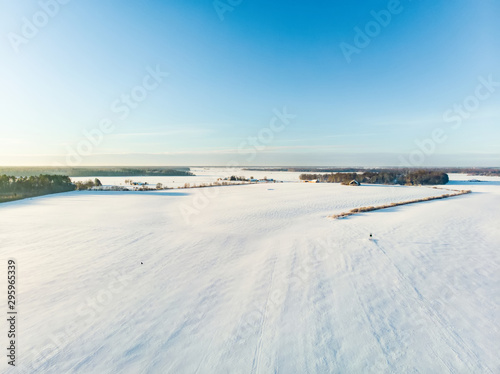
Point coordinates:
pixel 354 182
pixel 96 185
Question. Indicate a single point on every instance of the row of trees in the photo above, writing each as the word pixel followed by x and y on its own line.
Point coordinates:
pixel 80 186
pixel 493 171
pixel 235 178
pixel 406 177
pixel 95 171
pixel 41 184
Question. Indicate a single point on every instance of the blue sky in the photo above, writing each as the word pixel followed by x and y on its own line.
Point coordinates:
pixel 231 68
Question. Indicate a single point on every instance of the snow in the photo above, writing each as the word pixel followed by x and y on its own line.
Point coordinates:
pixel 201 175
pixel 257 279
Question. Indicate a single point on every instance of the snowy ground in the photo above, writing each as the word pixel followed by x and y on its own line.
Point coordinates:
pixel 256 279
pixel 201 175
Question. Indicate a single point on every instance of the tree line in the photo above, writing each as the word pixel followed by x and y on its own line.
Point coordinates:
pixel 482 171
pixel 402 177
pixel 87 185
pixel 104 171
pixel 41 184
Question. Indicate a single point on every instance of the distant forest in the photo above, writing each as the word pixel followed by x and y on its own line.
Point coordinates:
pixel 103 171
pixel 14 188
pixel 417 177
pixel 318 170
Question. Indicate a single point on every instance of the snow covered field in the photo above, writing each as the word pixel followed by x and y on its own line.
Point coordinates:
pixel 201 175
pixel 256 279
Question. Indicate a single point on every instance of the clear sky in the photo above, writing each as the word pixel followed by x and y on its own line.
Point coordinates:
pixel 251 82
